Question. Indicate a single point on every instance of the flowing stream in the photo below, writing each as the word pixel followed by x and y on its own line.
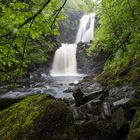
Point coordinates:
pixel 63 74
pixel 56 86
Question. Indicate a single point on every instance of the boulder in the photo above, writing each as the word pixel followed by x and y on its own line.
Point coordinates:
pixel 81 98
pixel 92 95
pixel 107 109
pixel 39 117
pixel 120 95
pixel 77 114
pixel 78 96
pixel 121 102
pixel 120 120
pixel 70 89
pixel 95 86
pixel 94 107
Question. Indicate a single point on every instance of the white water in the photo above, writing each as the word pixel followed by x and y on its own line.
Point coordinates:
pixel 64 63
pixel 86 28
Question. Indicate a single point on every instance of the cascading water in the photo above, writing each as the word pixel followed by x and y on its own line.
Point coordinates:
pixel 65 60
pixel 64 63
pixel 86 28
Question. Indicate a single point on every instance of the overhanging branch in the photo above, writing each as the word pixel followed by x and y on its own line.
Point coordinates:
pixel 28 19
pixel 57 13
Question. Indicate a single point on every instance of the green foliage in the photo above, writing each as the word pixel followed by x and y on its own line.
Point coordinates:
pixel 134 133
pixel 89 5
pixel 118 32
pixel 15 51
pixel 73 5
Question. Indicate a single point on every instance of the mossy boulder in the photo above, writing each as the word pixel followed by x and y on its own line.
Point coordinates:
pixel 39 117
pixel 134 132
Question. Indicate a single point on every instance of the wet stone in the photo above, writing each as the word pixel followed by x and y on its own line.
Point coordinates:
pixel 121 102
pixel 107 109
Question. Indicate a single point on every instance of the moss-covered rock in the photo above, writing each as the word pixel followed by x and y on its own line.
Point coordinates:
pixel 134 132
pixel 39 117
pixel 124 76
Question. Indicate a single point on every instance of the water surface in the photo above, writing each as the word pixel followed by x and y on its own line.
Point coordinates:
pixel 55 86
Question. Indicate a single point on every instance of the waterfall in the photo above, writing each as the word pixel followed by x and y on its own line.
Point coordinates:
pixel 64 63
pixel 65 60
pixel 86 28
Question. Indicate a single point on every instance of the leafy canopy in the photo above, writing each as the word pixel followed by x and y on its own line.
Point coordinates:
pixel 32 42
pixel 118 32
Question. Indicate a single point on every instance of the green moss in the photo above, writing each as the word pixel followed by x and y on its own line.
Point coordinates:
pixel 134 133
pixel 124 76
pixel 36 117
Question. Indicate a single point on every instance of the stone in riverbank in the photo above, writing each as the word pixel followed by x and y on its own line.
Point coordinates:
pixel 78 96
pixel 39 117
pixel 81 98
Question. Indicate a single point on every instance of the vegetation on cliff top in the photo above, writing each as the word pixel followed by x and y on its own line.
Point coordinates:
pixel 118 32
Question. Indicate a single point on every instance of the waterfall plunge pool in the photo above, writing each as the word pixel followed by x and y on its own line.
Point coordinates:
pixel 58 86
pixel 64 68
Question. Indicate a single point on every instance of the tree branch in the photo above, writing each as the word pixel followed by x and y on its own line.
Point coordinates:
pixel 57 13
pixel 28 19
pixel 24 49
pixel 122 43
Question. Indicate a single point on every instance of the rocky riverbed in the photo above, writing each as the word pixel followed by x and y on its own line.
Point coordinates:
pixel 101 107
pixel 107 107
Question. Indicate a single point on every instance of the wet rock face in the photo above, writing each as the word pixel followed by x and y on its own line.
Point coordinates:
pixel 68 28
pixel 89 64
pixel 79 96
pixel 120 95
pixel 120 120
pixel 82 98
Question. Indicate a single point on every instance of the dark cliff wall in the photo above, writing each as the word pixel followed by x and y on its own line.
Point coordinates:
pixel 92 64
pixel 68 28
